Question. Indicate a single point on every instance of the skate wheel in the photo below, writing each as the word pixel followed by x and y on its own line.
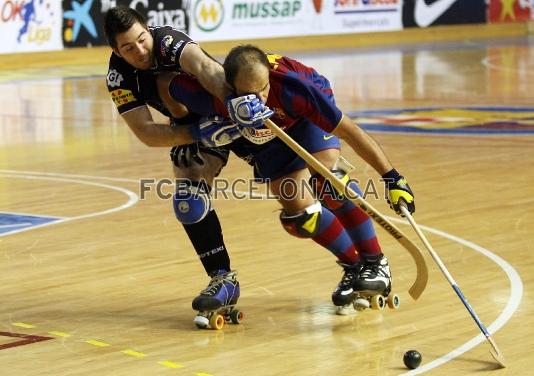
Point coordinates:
pixel 393 301
pixel 201 322
pixel 361 304
pixel 217 321
pixel 236 316
pixel 343 310
pixel 378 302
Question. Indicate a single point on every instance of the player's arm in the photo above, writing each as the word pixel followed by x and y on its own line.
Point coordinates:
pixel 363 144
pixel 209 72
pixel 151 133
pixel 212 131
pixel 398 190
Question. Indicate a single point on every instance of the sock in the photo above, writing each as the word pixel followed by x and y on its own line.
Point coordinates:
pixel 332 235
pixel 358 225
pixel 208 242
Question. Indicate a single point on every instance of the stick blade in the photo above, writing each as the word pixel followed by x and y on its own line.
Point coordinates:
pixel 496 353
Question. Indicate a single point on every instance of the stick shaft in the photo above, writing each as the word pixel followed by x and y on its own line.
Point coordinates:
pixel 498 357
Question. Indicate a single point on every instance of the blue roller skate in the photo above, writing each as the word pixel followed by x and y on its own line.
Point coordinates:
pixel 216 303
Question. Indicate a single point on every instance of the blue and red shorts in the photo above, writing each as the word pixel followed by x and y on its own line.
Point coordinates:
pixel 275 159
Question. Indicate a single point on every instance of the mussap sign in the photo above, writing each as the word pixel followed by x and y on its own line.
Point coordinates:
pixel 30 25
pixel 251 19
pixel 246 19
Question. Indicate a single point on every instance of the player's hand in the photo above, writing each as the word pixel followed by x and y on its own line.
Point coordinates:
pixel 248 110
pixel 215 131
pixel 186 155
pixel 398 192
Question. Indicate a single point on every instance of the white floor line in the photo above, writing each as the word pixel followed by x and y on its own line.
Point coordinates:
pixel 516 293
pixel 15 224
pixel 516 285
pixel 28 214
pixel 57 174
pixel 132 199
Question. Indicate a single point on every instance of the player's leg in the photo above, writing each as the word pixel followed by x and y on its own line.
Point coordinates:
pixel 303 217
pixel 375 275
pixel 195 167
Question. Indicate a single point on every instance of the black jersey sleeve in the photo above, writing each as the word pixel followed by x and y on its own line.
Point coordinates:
pixel 122 85
pixel 169 44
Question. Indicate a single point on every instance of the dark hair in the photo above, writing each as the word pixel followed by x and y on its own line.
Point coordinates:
pixel 243 57
pixel 118 20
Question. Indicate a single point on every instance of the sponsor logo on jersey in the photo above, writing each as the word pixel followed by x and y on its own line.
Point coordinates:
pixel 175 50
pixel 114 78
pixel 451 120
pixel 257 136
pixel 121 97
pixel 166 43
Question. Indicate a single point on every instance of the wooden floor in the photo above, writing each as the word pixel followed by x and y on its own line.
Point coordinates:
pixel 103 282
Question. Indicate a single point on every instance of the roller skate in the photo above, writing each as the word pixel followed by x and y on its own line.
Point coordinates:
pixel 344 294
pixel 216 303
pixel 373 286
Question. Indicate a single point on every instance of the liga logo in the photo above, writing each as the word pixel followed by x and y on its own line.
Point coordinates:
pixel 452 120
pixel 208 14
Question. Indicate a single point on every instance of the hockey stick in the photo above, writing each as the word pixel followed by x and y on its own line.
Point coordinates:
pixel 422 272
pixel 499 358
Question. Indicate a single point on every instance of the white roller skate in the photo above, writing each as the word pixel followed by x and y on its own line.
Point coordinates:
pixel 344 294
pixel 373 286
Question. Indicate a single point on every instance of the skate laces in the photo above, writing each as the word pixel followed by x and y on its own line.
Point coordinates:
pixel 216 282
pixel 213 286
pixel 370 270
pixel 349 275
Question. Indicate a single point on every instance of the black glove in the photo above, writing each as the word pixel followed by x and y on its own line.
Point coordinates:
pixel 186 155
pixel 398 192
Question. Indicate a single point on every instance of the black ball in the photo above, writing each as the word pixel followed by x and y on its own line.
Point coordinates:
pixel 412 359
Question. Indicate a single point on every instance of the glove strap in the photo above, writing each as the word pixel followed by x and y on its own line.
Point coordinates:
pixel 391 176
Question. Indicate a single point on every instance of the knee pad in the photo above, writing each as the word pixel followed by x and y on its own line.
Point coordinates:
pixel 327 194
pixel 305 224
pixel 191 202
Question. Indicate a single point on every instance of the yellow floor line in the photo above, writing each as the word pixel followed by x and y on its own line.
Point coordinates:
pixel 59 334
pixel 168 363
pixel 97 343
pixel 23 325
pixel 130 352
pixel 133 353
